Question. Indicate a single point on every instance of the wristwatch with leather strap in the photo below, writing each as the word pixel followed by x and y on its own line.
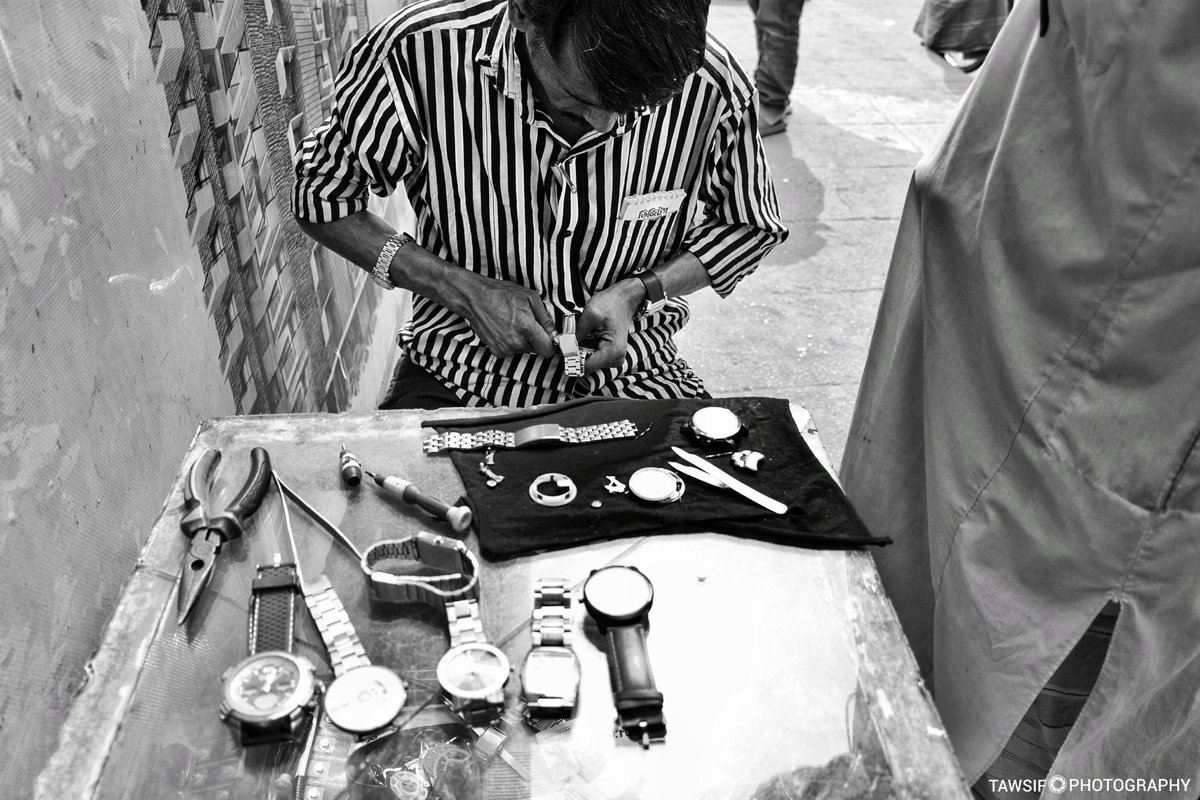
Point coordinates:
pixel 656 295
pixel 269 694
pixel 618 598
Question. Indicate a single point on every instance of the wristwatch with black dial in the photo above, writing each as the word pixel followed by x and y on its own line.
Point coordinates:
pixel 619 599
pixel 267 696
pixel 473 673
pixel 550 677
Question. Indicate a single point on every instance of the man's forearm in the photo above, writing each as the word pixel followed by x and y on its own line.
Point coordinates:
pixel 361 236
pixel 681 275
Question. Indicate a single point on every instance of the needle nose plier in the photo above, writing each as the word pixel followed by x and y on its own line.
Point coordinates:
pixel 209 528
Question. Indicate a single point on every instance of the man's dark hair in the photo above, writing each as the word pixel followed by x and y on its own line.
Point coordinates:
pixel 637 53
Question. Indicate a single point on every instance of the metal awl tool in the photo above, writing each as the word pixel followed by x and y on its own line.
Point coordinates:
pixel 209 527
pixel 732 483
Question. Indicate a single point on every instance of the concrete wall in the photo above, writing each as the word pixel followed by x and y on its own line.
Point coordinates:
pixel 107 359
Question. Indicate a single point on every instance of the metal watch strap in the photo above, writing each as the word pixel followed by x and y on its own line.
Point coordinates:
pixel 383 264
pixel 568 345
pixel 553 613
pixel 345 649
pixel 545 433
pixel 431 550
pixel 465 625
pixel 273 608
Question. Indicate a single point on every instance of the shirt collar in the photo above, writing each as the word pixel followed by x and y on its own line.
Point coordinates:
pixel 497 56
pixel 498 59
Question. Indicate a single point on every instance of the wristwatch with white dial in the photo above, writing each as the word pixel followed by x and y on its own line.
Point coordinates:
pixel 268 695
pixel 473 673
pixel 550 676
pixel 619 598
pixel 363 697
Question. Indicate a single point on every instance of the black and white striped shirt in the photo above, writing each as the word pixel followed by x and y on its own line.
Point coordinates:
pixel 434 98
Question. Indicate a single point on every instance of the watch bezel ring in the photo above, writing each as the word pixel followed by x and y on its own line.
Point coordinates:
pixel 553 500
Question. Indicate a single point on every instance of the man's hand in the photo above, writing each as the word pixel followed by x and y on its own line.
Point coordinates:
pixel 509 318
pixel 607 320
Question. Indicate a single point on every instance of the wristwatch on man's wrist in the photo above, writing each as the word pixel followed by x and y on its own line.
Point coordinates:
pixel 269 694
pixel 383 264
pixel 656 294
pixel 550 677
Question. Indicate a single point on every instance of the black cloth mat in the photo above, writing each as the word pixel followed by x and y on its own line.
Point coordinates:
pixel 510 523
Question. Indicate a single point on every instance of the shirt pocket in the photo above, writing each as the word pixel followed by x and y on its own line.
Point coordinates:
pixel 650 227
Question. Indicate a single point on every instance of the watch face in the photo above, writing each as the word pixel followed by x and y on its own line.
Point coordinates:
pixel 618 593
pixel 268 686
pixel 715 422
pixel 656 485
pixel 551 672
pixel 473 671
pixel 365 698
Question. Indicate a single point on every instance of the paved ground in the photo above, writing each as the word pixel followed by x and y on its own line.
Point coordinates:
pixel 869 100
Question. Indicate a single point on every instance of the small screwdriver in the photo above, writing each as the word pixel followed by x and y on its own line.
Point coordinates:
pixel 351 469
pixel 459 517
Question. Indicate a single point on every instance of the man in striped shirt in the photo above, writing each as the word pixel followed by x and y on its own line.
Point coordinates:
pixel 564 159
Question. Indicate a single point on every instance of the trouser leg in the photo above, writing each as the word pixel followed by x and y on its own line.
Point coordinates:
pixel 777 31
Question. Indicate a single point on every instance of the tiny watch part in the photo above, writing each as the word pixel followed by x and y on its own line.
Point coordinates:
pixel 614 485
pixel 365 699
pixel 656 485
pixel 714 424
pixel 747 459
pixel 408 785
pixel 552 489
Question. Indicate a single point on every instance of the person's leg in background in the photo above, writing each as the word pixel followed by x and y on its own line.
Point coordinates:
pixel 777 32
pixel 413 387
pixel 1034 745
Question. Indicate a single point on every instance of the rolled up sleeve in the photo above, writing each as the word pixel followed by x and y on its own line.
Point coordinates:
pixel 366 144
pixel 741 221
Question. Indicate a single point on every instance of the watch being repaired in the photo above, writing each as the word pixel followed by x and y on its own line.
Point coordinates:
pixel 656 485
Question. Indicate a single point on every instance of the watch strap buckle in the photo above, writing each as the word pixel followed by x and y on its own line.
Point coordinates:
pixel 537 434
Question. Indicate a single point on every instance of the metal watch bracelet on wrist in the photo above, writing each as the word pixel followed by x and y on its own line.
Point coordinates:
pixel 545 433
pixel 383 264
